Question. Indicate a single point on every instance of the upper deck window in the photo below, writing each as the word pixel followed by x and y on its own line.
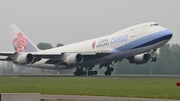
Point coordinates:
pixel 154 25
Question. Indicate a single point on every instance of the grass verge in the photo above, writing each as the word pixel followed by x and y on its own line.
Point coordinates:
pixel 120 87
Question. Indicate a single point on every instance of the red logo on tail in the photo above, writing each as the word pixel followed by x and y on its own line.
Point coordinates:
pixel 20 42
pixel 93 44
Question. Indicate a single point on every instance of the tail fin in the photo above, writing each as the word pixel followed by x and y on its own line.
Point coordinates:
pixel 20 42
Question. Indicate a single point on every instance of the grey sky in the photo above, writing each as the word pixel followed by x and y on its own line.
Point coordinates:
pixel 69 21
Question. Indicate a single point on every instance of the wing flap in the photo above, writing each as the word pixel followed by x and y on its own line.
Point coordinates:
pixel 7 53
pixel 101 52
pixel 46 55
pixel 5 59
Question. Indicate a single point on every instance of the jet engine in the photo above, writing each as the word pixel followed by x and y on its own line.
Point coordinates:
pixel 140 59
pixel 24 59
pixel 74 59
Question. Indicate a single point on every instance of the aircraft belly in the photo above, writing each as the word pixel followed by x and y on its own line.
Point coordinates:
pixel 124 54
pixel 109 58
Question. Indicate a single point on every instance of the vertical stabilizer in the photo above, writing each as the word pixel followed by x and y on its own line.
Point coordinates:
pixel 20 42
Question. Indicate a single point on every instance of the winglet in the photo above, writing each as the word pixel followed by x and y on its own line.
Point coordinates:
pixel 20 42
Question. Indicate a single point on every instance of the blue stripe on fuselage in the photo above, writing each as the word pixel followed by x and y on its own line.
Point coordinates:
pixel 145 41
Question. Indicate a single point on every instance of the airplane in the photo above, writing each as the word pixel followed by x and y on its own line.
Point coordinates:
pixel 136 44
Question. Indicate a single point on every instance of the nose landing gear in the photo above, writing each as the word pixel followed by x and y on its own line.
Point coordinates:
pixel 153 59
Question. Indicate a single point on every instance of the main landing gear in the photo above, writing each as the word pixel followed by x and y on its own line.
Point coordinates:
pixel 91 73
pixel 81 72
pixel 108 71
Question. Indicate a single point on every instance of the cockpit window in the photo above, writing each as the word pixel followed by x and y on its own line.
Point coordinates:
pixel 154 24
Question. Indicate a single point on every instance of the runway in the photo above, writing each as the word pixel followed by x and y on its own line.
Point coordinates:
pixel 97 76
pixel 95 98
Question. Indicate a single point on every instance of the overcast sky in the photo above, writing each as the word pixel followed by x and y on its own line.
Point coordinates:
pixel 70 21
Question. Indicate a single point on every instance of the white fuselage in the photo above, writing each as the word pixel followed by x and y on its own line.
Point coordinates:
pixel 122 44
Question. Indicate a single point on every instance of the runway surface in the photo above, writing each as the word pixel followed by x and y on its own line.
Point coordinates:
pixel 95 98
pixel 98 76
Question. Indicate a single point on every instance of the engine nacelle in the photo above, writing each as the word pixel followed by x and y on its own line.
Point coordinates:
pixel 140 59
pixel 74 59
pixel 24 59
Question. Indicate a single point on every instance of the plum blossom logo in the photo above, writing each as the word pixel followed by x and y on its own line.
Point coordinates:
pixel 93 44
pixel 20 42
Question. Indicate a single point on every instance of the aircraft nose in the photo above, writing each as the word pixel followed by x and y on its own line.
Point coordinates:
pixel 163 35
pixel 168 34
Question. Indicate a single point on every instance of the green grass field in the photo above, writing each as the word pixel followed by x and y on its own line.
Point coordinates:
pixel 121 87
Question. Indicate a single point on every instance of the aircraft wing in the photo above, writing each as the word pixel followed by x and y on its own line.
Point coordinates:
pixel 87 55
pixel 49 55
pixel 52 57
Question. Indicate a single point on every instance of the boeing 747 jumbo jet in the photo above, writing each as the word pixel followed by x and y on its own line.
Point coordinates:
pixel 136 43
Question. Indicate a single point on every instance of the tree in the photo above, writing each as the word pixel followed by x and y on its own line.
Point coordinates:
pixel 44 46
pixel 59 45
pixel 9 68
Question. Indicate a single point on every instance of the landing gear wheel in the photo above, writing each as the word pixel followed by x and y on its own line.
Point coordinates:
pixel 84 73
pixel 75 73
pixel 79 72
pixel 107 73
pixel 111 69
pixel 95 72
pixel 108 69
pixel 92 73
pixel 153 59
pixel 89 73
